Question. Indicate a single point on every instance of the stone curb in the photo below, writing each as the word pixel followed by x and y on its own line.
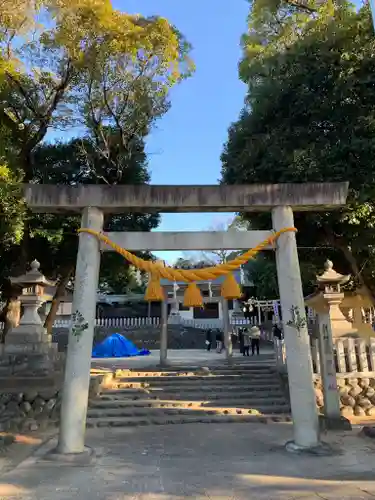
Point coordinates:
pixel 48 444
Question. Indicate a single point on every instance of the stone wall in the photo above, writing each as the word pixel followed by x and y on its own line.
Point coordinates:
pixel 357 394
pixel 30 410
pixel 29 405
pixel 31 365
pixel 147 337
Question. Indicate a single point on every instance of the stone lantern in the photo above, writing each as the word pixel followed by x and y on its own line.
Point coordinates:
pixel 330 283
pixel 30 336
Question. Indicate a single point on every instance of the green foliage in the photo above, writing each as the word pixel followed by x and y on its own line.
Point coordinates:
pixel 299 321
pixel 79 324
pixel 89 65
pixel 116 276
pixel 84 64
pixel 311 117
pixel 263 274
pixel 56 236
pixel 274 26
pixel 12 208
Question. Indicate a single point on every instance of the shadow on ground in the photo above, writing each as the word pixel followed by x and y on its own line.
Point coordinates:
pixel 196 461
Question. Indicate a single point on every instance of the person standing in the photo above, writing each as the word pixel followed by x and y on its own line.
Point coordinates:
pixel 255 339
pixel 209 339
pixel 240 339
pixel 219 341
pixel 277 333
pixel 233 338
pixel 246 342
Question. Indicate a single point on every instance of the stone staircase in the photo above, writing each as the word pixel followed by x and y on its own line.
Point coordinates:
pixel 239 393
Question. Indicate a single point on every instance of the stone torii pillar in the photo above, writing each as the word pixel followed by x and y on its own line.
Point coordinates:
pixel 78 362
pixel 300 374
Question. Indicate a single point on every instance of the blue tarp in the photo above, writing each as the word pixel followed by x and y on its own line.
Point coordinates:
pixel 117 346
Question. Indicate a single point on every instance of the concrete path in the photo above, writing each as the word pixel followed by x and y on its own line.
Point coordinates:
pixel 242 462
pixel 180 357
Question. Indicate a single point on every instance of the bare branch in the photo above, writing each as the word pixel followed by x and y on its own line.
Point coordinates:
pixel 45 120
pixel 23 92
pixel 89 165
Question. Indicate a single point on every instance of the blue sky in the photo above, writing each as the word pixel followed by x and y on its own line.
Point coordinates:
pixel 185 146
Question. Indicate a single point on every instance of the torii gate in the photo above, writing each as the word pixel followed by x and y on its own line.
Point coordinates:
pixel 93 201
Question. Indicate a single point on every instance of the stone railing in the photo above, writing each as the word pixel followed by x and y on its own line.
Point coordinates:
pixel 212 323
pixel 355 372
pixel 110 322
pixel 201 324
pixel 351 355
pixel 143 321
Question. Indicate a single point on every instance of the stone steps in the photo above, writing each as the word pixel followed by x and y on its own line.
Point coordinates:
pixel 185 395
pixel 191 411
pixel 245 405
pixel 186 403
pixel 196 373
pixel 189 379
pixel 196 395
pixel 183 419
pixel 144 387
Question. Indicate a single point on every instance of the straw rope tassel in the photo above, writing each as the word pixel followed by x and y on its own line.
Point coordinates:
pixel 230 289
pixel 193 297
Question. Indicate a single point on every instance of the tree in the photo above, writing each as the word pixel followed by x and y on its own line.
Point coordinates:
pixel 213 257
pixel 274 26
pixel 263 274
pixel 93 55
pixel 55 240
pixel 319 126
pixel 91 66
pixel 189 262
pixel 12 207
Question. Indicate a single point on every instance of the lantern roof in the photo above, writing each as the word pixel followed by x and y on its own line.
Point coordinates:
pixel 330 276
pixel 32 277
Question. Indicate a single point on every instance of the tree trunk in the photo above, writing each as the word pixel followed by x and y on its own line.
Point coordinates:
pixel 56 301
pixel 11 313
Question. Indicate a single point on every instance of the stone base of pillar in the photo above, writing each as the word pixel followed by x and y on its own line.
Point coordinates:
pixel 174 319
pixel 86 457
pixel 26 334
pixel 321 450
pixel 36 358
pixel 31 346
pixel 164 364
